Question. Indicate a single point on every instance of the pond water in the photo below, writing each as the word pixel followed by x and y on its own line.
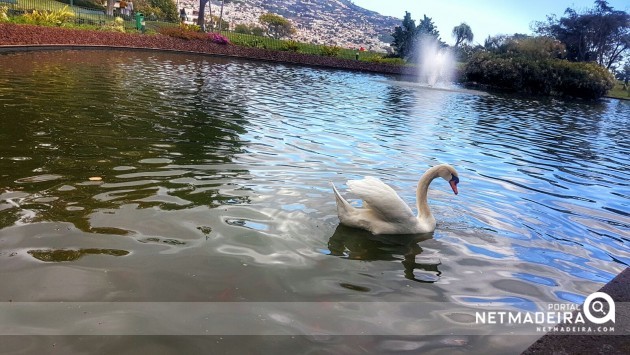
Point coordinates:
pixel 130 176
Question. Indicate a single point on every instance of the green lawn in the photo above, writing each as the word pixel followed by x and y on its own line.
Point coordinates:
pixel 618 91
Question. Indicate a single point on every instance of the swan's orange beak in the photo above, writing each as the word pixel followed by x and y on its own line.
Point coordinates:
pixel 453 182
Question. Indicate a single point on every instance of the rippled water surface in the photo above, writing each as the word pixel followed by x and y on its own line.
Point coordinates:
pixel 141 176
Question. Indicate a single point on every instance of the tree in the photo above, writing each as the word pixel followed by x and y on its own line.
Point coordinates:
pixel 408 38
pixel 404 37
pixel 540 47
pixel 157 9
pixel 277 26
pixel 221 16
pixel 623 74
pixel 462 33
pixel 201 19
pixel 223 24
pixel 427 27
pixel 600 34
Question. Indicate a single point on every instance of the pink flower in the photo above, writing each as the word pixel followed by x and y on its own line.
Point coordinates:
pixel 218 38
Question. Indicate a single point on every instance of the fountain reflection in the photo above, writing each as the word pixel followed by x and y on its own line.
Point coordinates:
pixel 356 244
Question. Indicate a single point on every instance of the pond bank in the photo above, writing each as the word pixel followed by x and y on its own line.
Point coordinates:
pixel 16 36
pixel 619 289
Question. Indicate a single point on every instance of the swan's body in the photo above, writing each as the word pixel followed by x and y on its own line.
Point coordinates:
pixel 384 212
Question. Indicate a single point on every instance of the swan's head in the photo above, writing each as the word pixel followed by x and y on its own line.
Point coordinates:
pixel 449 174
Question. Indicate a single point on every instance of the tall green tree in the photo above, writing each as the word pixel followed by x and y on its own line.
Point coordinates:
pixel 404 36
pixel 408 38
pixel 463 34
pixel 427 27
pixel 600 34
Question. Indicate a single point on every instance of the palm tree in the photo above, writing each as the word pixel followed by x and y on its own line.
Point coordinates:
pixel 462 33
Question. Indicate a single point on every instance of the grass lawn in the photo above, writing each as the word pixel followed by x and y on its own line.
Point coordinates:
pixel 618 92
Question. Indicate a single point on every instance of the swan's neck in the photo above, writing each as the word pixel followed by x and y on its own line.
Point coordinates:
pixel 421 192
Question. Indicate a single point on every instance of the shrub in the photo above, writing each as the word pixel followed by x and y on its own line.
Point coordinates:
pixel 383 60
pixel 3 14
pixel 49 18
pixel 191 27
pixel 118 25
pixel 539 76
pixel 218 38
pixel 330 51
pixel 249 30
pixel 291 46
pixel 182 32
pixel 249 42
pixel 586 80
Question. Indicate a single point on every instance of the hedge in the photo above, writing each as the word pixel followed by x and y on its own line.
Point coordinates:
pixel 539 76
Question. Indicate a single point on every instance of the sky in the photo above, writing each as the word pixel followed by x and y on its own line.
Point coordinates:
pixel 485 17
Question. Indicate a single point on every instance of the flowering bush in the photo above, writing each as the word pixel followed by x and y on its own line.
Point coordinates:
pixel 218 38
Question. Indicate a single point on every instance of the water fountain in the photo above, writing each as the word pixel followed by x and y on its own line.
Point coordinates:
pixel 436 65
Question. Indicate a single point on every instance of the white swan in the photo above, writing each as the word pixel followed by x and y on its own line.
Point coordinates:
pixel 384 212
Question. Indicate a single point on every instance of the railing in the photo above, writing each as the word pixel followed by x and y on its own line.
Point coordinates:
pixel 99 17
pixel 82 15
pixel 251 40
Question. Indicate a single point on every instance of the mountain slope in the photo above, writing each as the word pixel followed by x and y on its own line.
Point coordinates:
pixel 330 22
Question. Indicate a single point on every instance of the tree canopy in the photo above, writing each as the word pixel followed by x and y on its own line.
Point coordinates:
pixel 462 33
pixel 277 26
pixel 600 34
pixel 407 37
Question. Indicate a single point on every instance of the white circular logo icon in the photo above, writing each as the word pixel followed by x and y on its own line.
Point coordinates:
pixel 600 316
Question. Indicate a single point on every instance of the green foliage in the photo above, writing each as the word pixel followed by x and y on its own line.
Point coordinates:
pixel 527 46
pixel 408 38
pixel 249 30
pixel 183 31
pixel 190 28
pixel 291 46
pixel 3 14
pixel 277 26
pixel 587 80
pixel 88 4
pixel 330 51
pixel 118 25
pixel 49 18
pixel 601 34
pixel 539 76
pixel 157 9
pixel 463 34
pixel 623 73
pixel 382 60
pixel 214 23
pixel 404 37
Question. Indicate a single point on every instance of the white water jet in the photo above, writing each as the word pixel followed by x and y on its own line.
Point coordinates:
pixel 436 65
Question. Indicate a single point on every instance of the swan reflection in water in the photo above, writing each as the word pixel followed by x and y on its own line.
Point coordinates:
pixel 357 244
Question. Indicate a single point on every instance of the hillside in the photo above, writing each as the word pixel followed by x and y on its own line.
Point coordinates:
pixel 330 22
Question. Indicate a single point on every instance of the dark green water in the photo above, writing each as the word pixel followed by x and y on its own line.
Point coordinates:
pixel 210 183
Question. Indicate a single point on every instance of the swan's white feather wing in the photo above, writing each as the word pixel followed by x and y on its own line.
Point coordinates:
pixel 381 199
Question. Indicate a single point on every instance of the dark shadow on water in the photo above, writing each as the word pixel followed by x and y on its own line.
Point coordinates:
pixel 357 244
pixel 59 255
